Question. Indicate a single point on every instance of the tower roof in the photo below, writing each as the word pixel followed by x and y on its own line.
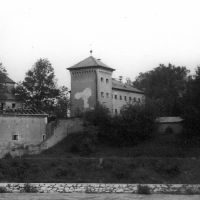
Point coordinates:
pixel 90 62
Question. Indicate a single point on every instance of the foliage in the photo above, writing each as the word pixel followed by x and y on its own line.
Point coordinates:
pixel 143 189
pixel 62 104
pixel 100 116
pixel 29 188
pixel 82 143
pixel 166 86
pixel 39 90
pixel 3 190
pixel 39 86
pixel 191 110
pixel 3 74
pixel 133 125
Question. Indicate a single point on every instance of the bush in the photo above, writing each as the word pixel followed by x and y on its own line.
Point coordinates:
pixel 134 125
pixel 29 188
pixel 143 189
pixel 3 190
pixel 82 143
pixel 166 168
pixel 191 125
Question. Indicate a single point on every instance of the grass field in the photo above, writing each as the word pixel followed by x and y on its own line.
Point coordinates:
pixel 160 160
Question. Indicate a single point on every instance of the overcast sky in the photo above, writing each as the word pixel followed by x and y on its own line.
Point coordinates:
pixel 131 36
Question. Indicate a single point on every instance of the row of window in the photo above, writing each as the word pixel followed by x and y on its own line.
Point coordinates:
pixel 82 72
pixel 16 137
pixel 102 80
pixel 134 99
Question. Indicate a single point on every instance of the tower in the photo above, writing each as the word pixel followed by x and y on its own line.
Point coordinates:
pixel 91 83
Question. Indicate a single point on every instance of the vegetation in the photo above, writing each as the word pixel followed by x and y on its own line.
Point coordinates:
pixel 39 90
pixel 165 85
pixel 143 189
pixel 3 74
pixel 133 125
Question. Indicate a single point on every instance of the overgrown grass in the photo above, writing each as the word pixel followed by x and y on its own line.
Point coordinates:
pixel 104 170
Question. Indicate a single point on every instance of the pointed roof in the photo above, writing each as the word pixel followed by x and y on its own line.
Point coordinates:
pixel 90 62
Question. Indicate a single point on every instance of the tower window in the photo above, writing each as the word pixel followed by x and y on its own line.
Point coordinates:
pixel 107 95
pixel 116 111
pixel 120 97
pixel 102 94
pixel 13 105
pixel 139 100
pixel 101 79
pixel 15 137
pixel 129 98
pixel 134 99
pixel 115 96
pixel 107 81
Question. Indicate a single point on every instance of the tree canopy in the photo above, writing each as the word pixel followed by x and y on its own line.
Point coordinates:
pixel 39 86
pixel 165 85
pixel 3 74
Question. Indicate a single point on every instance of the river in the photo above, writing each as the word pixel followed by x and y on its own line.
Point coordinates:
pixel 84 196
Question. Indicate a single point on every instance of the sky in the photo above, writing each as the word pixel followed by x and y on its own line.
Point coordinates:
pixel 131 36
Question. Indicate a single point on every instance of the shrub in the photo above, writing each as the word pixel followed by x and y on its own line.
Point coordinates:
pixel 143 189
pixel 191 125
pixel 29 188
pixel 7 156
pixel 167 168
pixel 3 190
pixel 82 143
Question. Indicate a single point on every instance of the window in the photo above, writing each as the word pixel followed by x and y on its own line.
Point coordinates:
pixel 115 96
pixel 120 97
pixel 125 98
pixel 107 81
pixel 112 96
pixel 102 94
pixel 15 137
pixel 101 79
pixel 107 95
pixel 116 111
pixel 129 98
pixel 139 100
pixel 134 99
pixel 13 105
pixel 43 137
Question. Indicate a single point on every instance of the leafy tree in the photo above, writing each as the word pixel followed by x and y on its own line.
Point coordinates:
pixel 62 104
pixel 166 86
pixel 191 114
pixel 39 86
pixel 3 74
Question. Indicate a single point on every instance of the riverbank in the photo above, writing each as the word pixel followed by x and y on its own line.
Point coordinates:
pixel 186 189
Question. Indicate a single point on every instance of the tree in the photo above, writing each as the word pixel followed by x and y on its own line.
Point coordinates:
pixel 166 85
pixel 3 74
pixel 191 114
pixel 39 86
pixel 62 103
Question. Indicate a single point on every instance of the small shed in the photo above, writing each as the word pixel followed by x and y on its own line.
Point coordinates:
pixel 169 125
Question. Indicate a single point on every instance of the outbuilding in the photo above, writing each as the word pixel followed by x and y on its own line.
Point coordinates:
pixel 169 125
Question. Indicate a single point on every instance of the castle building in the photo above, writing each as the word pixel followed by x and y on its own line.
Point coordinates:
pixel 92 83
pixel 7 98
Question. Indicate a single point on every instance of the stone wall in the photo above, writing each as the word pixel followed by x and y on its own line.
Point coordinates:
pixel 101 188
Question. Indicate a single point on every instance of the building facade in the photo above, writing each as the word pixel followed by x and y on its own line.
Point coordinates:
pixel 8 99
pixel 20 128
pixel 92 83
